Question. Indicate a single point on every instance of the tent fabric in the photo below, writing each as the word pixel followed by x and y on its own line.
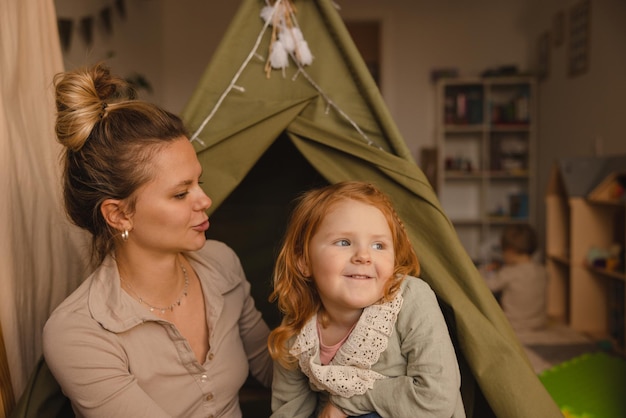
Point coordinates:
pixel 314 113
pixel 42 397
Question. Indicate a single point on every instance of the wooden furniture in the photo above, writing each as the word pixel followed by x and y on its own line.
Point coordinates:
pixel 485 131
pixel 585 240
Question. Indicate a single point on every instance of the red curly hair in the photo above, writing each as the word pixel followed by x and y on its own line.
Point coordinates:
pixel 296 295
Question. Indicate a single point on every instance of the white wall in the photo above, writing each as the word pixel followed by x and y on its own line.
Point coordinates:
pixel 134 43
pixel 171 42
pixel 583 115
pixel 419 36
pixel 192 31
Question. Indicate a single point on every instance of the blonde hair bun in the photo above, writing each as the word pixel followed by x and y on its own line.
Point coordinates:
pixel 83 98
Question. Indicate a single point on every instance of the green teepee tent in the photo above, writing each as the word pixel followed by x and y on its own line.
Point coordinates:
pixel 262 136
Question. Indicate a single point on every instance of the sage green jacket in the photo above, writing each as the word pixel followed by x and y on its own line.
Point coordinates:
pixel 417 371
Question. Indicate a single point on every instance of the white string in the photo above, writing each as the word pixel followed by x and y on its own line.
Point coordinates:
pixel 252 53
pixel 331 103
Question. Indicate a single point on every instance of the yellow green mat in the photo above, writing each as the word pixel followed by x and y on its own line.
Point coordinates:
pixel 589 386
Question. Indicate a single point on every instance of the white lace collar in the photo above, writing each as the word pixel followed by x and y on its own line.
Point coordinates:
pixel 349 372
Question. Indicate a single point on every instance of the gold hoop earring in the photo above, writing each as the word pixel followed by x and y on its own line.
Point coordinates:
pixel 125 235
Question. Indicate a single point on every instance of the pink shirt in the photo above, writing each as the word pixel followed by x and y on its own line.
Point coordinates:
pixel 327 352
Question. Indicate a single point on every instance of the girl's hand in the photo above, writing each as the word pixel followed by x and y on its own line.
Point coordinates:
pixel 331 411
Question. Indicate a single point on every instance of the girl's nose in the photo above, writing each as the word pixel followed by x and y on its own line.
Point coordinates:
pixel 362 256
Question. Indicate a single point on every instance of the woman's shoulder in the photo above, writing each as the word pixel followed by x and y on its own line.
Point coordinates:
pixel 71 320
pixel 77 302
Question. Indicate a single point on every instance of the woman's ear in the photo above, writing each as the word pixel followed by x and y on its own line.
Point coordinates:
pixel 114 214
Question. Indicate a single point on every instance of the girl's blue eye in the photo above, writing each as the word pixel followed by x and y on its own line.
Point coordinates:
pixel 343 243
pixel 379 246
pixel 181 196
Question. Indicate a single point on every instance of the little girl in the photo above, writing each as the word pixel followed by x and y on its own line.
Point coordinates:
pixel 360 334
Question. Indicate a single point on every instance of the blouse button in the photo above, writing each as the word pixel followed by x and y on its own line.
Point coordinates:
pixel 209 396
pixel 203 378
pixel 211 355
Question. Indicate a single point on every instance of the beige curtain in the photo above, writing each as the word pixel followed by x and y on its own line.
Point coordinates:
pixel 41 254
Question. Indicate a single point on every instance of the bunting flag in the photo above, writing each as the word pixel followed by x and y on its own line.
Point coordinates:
pixel 85 29
pixel 87 24
pixel 107 20
pixel 65 27
pixel 121 8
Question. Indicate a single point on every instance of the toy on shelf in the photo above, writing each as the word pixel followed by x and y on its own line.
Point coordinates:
pixel 606 258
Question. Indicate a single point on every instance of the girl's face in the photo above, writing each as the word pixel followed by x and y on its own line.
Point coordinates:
pixel 170 213
pixel 351 256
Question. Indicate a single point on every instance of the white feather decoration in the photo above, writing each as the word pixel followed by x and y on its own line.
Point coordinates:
pixel 304 53
pixel 297 34
pixel 279 57
pixel 286 37
pixel 266 13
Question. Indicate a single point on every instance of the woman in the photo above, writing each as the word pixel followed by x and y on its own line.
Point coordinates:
pixel 165 326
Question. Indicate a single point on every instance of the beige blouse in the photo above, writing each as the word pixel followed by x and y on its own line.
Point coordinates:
pixel 113 358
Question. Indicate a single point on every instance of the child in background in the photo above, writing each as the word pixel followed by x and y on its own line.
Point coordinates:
pixel 521 281
pixel 360 334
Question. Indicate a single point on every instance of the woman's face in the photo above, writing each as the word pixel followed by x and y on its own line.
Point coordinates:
pixel 170 212
pixel 351 256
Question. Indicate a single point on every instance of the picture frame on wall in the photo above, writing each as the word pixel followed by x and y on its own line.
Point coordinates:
pixel 543 56
pixel 579 38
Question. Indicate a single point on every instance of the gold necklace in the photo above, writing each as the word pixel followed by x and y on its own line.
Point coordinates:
pixel 157 308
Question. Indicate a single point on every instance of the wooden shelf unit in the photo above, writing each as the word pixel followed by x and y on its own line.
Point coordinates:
pixel 485 131
pixel 590 299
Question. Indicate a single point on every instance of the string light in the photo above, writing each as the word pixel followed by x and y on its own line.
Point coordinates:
pixel 271 15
